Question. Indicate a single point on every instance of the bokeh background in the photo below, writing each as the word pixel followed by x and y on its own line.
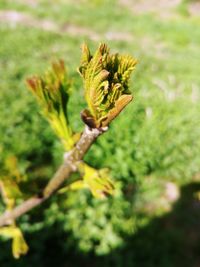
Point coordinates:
pixel 152 149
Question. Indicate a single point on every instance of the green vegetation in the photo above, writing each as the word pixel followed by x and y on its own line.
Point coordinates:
pixel 154 142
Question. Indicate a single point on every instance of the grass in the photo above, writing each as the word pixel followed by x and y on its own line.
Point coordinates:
pixel 160 128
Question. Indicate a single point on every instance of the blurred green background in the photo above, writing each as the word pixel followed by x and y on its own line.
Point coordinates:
pixel 152 148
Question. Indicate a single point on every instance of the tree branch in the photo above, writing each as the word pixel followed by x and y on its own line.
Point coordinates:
pixel 64 171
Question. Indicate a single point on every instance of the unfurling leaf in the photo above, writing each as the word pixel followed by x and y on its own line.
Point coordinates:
pixel 106 81
pixel 52 91
pixel 19 245
pixel 10 192
pixel 13 170
pixel 98 181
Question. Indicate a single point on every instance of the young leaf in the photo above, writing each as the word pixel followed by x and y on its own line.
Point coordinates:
pixel 12 167
pixel 19 245
pixel 97 181
pixel 10 191
pixel 52 91
pixel 106 81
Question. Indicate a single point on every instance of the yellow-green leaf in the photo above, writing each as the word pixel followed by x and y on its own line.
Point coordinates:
pixel 19 245
pixel 98 181
pixel 52 91
pixel 10 191
pixel 106 82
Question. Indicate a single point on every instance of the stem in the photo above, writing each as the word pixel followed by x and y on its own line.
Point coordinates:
pixel 69 166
